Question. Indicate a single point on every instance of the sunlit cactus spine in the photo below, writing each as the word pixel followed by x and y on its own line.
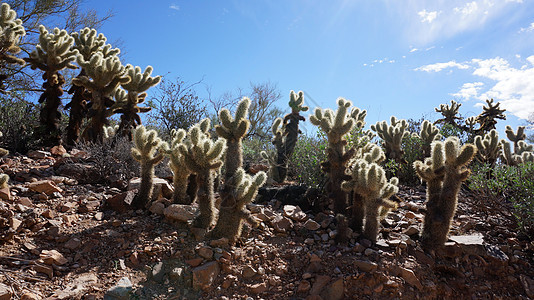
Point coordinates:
pixel 11 32
pixel 179 168
pixel 231 219
pixel 488 147
pixel 202 156
pixel 523 154
pixel 129 109
pixel 449 113
pixel 285 134
pixel 428 134
pixel 515 137
pixel 52 54
pixel 489 115
pixel 392 136
pixel 444 172
pixel 336 125
pixel 148 151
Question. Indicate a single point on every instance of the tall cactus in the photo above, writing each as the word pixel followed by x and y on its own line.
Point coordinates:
pixel 449 113
pixel 336 126
pixel 285 134
pixel 11 31
pixel 87 42
pixel 140 82
pixel 231 219
pixel 444 173
pixel 488 147
pixel 148 151
pixel 104 74
pixel 392 136
pixel 515 137
pixel 52 54
pixel 179 168
pixel 202 156
pixel 489 115
pixel 428 134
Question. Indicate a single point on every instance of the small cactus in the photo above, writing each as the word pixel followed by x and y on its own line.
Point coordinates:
pixel 179 168
pixel 202 156
pixel 231 218
pixel 148 151
pixel 428 134
pixel 488 147
pixel 515 137
pixel 444 173
pixel 392 136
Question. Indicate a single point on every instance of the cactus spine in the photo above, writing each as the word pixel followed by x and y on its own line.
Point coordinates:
pixel 515 137
pixel 52 54
pixel 179 168
pixel 449 113
pixel 285 136
pixel 428 134
pixel 444 173
pixel 491 112
pixel 336 126
pixel 202 156
pixel 392 136
pixel 488 147
pixel 148 151
pixel 11 31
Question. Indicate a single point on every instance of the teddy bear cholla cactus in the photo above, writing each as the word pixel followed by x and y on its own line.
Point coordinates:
pixel 488 147
pixel 429 133
pixel 148 151
pixel 392 136
pixel 11 31
pixel 444 173
pixel 202 156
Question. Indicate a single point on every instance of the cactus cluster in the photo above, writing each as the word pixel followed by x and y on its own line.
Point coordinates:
pixel 392 136
pixel 11 32
pixel 488 147
pixel 444 171
pixel 449 113
pixel 148 151
pixel 490 112
pixel 522 151
pixel 285 134
pixel 428 133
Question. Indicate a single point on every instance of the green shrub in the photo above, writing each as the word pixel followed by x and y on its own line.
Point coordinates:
pixel 18 119
pixel 305 163
pixel 508 185
pixel 252 147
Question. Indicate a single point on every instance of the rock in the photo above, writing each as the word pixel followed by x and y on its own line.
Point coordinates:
pixel 335 291
pixel 473 239
pixel 73 243
pixel 181 212
pixel 53 257
pixel 204 276
pixel 366 266
pixel 304 287
pixel 158 272
pixel 67 206
pixel 58 150
pixel 121 202
pixel 161 187
pixel 410 278
pixel 30 296
pixel 5 194
pixel 83 173
pixel 48 270
pixel 176 274
pixel 194 262
pixel 528 285
pixel 282 224
pixel 312 225
pixel 248 272
pixel 78 287
pixel 5 292
pixel 25 201
pixel 320 282
pixel 121 291
pixel 89 206
pixel 49 214
pixel 45 186
pixel 496 253
pixel 294 213
pixel 157 208
pixel 258 288
pixel 205 252
pixel 14 223
pixel 222 242
pixel 412 230
pixel 38 154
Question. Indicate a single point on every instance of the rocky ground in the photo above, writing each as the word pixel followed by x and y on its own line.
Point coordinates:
pixel 63 237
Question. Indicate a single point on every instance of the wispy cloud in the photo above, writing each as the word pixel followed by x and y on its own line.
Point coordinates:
pixel 428 16
pixel 174 7
pixel 380 61
pixel 527 29
pixel 440 66
pixel 513 87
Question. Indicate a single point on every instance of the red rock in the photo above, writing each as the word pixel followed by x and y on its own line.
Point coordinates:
pixel 49 214
pixel 282 224
pixel 335 291
pixel 410 278
pixel 5 194
pixel 258 288
pixel 204 276
pixel 295 213
pixel 30 296
pixel 194 262
pixel 5 292
pixel 121 202
pixel 58 150
pixel 304 287
pixel 53 257
pixel 320 282
pixel 48 270
pixel 44 186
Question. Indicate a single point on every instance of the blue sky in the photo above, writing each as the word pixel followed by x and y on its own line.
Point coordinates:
pixel 389 57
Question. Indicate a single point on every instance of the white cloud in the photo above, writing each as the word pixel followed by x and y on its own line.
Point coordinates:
pixel 467 9
pixel 512 87
pixel 174 6
pixel 413 50
pixel 440 66
pixel 427 16
pixel 527 29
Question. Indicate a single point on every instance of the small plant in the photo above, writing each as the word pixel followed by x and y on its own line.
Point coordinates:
pixel 444 173
pixel 148 151
pixel 305 163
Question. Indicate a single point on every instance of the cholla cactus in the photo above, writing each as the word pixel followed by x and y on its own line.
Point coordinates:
pixel 110 131
pixel 488 147
pixel 491 112
pixel 52 54
pixel 179 168
pixel 428 134
pixel 336 126
pixel 148 151
pixel 140 82
pixel 202 156
pixel 523 154
pixel 515 137
pixel 449 113
pixel 370 184
pixel 285 134
pixel 444 173
pixel 4 178
pixel 87 42
pixel 11 31
pixel 231 218
pixel 392 136
pixel 104 74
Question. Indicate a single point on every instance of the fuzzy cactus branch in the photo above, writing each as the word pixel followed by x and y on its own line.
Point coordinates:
pixel 490 113
pixel 488 147
pixel 449 113
pixel 392 136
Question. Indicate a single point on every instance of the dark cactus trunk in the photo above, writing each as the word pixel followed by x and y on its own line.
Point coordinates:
pixel 358 212
pixel 78 111
pixel 291 123
pixel 50 132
